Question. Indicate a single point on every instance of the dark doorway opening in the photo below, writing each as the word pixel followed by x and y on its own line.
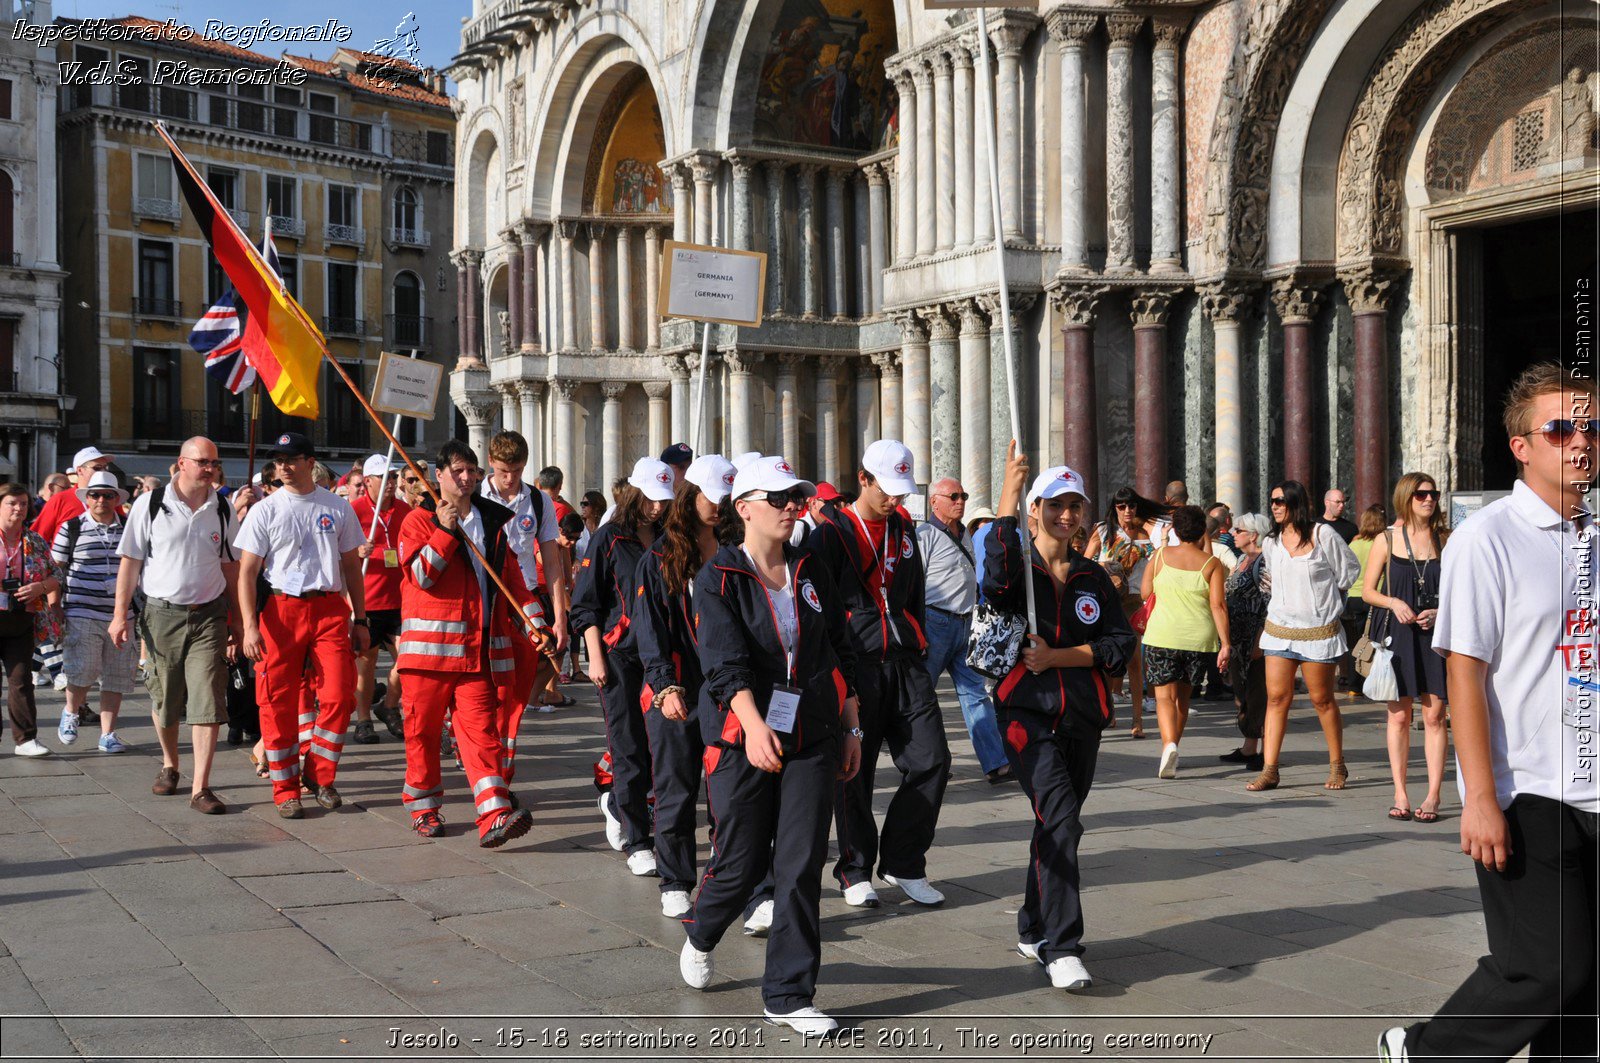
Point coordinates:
pixel 1534 278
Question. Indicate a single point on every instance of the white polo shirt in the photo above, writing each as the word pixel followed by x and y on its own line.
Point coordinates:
pixel 303 539
pixel 1518 590
pixel 523 537
pixel 183 549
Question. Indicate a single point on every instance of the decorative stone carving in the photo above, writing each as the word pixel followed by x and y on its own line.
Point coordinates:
pixel 1071 27
pixel 1573 104
pixel 514 120
pixel 507 342
pixel 887 362
pixel 1168 32
pixel 704 167
pixel 972 318
pixel 676 364
pixel 1368 288
pixel 613 390
pixel 1227 301
pixel 567 229
pixel 1077 303
pixel 940 324
pixel 656 390
pixel 912 328
pixel 1019 302
pixel 742 361
pixel 1123 28
pixel 1296 300
pixel 531 389
pixel 1149 306
pixel 566 390
pixel 1010 36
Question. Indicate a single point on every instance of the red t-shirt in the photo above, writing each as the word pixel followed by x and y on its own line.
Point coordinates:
pixel 382 582
pixel 871 544
pixel 62 507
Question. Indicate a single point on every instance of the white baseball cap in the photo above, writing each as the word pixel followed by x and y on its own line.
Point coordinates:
pixel 654 478
pixel 1055 481
pixel 85 456
pixel 742 460
pixel 378 465
pixel 769 473
pixel 713 474
pixel 891 463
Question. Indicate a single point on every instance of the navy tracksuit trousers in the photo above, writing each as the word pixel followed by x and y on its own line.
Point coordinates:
pixel 629 745
pixel 677 753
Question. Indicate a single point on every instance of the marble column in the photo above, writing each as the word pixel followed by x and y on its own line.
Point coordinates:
pixel 463 292
pixel 916 392
pixel 1369 290
pixel 927 203
pixel 656 434
pixel 878 229
pixel 982 107
pixel 478 410
pixel 742 203
pixel 1119 141
pixel 566 443
pixel 809 224
pixel 514 285
pixel 1077 305
pixel 961 139
pixel 944 374
pixel 742 367
pixel 611 435
pixel 905 244
pixel 568 231
pixel 789 405
pixel 468 262
pixel 1009 39
pixel 944 168
pixel 1072 31
pixel 869 427
pixel 509 409
pixel 977 437
pixel 597 286
pixel 1149 309
pixel 530 289
pixel 625 300
pixel 681 408
pixel 531 392
pixel 888 363
pixel 682 204
pixel 705 182
pixel 777 234
pixel 1226 306
pixel 1297 303
pixel 838 254
pixel 828 417
pixel 861 238
pixel 999 393
pixel 1166 150
pixel 652 288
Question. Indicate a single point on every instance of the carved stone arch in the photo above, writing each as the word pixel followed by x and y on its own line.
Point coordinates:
pixel 1370 198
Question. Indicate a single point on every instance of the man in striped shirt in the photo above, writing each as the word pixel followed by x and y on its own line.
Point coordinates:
pixel 85 546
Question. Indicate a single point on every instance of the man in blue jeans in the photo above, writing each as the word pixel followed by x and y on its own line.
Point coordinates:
pixel 952 582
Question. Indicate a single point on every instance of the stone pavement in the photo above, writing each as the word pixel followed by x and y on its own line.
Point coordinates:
pixel 1221 924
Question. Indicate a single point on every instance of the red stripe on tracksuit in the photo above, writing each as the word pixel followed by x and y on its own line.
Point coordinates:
pixel 295 631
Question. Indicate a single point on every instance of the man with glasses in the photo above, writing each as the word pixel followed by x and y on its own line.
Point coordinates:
pixel 1333 504
pixel 872 549
pixel 178 543
pixel 1518 632
pixel 62 507
pixel 951 575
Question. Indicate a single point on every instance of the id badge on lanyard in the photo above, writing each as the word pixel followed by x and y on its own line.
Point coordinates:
pixel 883 570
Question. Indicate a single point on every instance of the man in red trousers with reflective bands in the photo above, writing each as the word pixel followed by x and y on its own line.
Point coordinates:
pixel 462 648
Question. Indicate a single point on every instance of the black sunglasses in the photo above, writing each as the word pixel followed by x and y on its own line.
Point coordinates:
pixel 274 484
pixel 101 494
pixel 1277 500
pixel 1559 432
pixel 959 496
pixel 1426 495
pixel 782 499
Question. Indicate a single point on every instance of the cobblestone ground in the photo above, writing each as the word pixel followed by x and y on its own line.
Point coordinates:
pixel 1221 924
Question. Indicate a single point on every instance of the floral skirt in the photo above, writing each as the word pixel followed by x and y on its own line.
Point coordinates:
pixel 1163 666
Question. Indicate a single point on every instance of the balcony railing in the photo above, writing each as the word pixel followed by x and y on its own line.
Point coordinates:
pixel 344 326
pixel 340 132
pixel 406 332
pixel 345 234
pixel 157 207
pixel 150 306
pixel 282 226
pixel 410 237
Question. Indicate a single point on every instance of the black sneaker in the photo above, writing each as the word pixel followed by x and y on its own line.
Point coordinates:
pixel 429 824
pixel 378 693
pixel 365 735
pixel 391 719
pixel 507 826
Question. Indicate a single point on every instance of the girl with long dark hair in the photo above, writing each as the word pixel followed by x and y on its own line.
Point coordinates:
pixel 1134 527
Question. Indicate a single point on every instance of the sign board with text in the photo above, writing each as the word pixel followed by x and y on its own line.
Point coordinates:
pixel 407 387
pixel 712 284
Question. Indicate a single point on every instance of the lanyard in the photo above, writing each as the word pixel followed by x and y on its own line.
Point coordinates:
pixel 794 604
pixel 14 555
pixel 883 567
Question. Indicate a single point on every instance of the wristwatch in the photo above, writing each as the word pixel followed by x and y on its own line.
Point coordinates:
pixel 361 620
pixel 856 732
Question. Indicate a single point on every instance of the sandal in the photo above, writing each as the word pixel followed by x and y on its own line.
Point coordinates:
pixel 1402 814
pixel 1337 774
pixel 1267 780
pixel 1424 814
pixel 260 765
pixel 1137 731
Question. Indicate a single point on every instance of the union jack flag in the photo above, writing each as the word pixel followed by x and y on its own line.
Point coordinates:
pixel 219 335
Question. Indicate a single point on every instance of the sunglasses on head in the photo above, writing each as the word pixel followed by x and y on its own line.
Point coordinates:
pixel 1559 432
pixel 957 496
pixel 101 494
pixel 1425 496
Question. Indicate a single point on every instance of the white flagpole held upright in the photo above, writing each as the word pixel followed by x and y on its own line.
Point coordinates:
pixel 696 431
pixel 986 107
pixel 383 488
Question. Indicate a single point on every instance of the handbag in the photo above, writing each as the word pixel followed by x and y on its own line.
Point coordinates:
pixel 1141 616
pixel 995 645
pixel 1368 644
pixel 1381 684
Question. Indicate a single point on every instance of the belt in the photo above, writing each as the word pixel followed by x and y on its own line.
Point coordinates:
pixel 163 603
pixel 276 593
pixel 949 612
pixel 1301 634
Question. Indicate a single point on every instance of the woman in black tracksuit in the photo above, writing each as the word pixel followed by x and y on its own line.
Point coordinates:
pixel 1055 702
pixel 663 627
pixel 779 714
pixel 599 615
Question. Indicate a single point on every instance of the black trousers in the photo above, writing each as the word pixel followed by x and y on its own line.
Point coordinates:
pixel 898 709
pixel 17 653
pixel 778 821
pixel 629 745
pixel 1538 981
pixel 1056 771
pixel 1249 681
pixel 677 753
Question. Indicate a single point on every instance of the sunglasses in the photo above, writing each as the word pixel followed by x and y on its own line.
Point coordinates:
pixel 1426 496
pixel 101 494
pixel 274 484
pixel 206 463
pixel 959 496
pixel 782 499
pixel 1559 432
pixel 1277 500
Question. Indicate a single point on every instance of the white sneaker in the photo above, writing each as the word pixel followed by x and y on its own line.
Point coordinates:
pixel 917 889
pixel 40 679
pixel 675 904
pixel 110 743
pixel 1392 1045
pixel 808 1022
pixel 1069 973
pixel 1031 949
pixel 861 895
pixel 642 862
pixel 760 921
pixel 1169 762
pixel 68 730
pixel 695 966
pixel 614 832
pixel 60 681
pixel 31 748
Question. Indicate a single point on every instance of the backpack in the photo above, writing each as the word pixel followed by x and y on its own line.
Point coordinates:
pixel 157 502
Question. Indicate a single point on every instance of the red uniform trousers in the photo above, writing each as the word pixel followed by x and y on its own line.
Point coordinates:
pixel 293 631
pixel 475 716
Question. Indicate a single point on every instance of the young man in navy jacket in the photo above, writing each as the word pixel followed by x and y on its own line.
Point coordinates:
pixel 871 551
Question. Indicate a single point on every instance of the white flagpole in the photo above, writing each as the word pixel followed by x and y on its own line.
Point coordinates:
pixel 696 433
pixel 383 488
pixel 986 107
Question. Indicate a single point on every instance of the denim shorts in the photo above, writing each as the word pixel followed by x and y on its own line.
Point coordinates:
pixel 1293 656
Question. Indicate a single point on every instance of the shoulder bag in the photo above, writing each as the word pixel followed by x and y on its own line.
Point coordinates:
pixel 995 645
pixel 1141 616
pixel 1376 632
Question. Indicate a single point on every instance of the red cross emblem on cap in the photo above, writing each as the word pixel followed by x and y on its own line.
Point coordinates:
pixel 1066 474
pixel 783 466
pixel 283 440
pixel 727 479
pixel 663 477
pixel 902 468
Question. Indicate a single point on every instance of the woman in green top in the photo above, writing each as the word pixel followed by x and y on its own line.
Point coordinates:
pixel 1188 625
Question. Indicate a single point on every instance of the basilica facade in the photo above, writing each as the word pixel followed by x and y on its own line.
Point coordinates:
pixel 1244 240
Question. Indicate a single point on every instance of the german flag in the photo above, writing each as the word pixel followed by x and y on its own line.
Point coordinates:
pixel 280 341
